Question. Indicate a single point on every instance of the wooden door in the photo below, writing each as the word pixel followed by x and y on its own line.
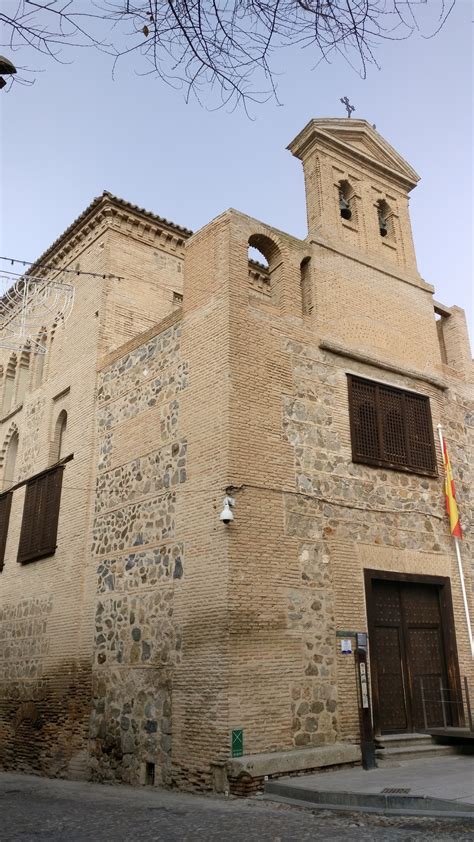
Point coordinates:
pixel 407 653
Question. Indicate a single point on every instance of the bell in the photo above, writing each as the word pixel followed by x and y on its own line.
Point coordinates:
pixel 344 208
pixel 382 222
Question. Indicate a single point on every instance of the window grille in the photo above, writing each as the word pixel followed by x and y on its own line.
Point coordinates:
pixel 390 427
pixel 5 506
pixel 39 525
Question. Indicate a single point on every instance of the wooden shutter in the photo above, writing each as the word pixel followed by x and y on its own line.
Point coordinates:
pixel 420 432
pixel 391 427
pixel 363 414
pixel 5 506
pixel 39 525
pixel 391 410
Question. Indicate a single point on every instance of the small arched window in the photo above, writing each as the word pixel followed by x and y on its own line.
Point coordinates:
pixel 9 385
pixel 40 358
pixel 346 201
pixel 9 474
pixel 58 448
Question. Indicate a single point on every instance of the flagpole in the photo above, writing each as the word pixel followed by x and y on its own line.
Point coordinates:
pixel 464 595
pixel 459 560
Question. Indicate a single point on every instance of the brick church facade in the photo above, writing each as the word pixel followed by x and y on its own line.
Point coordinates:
pixel 139 632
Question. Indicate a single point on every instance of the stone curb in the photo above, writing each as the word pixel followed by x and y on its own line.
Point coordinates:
pixel 367 802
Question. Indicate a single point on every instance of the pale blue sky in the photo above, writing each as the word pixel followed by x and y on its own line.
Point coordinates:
pixel 77 132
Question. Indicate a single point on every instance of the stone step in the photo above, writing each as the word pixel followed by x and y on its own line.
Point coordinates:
pixel 397 740
pixel 393 756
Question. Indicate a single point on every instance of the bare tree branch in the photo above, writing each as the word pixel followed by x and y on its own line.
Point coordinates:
pixel 214 46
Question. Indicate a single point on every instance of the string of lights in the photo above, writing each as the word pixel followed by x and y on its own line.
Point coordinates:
pixel 53 268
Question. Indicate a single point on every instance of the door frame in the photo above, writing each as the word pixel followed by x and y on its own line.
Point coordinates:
pixel 448 632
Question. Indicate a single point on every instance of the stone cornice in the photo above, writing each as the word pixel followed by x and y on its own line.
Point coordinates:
pixel 385 365
pixel 336 135
pixel 109 211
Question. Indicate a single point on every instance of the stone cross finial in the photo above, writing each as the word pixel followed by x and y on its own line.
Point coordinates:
pixel 349 108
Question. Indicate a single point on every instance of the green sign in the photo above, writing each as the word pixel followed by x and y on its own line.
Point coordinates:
pixel 237 742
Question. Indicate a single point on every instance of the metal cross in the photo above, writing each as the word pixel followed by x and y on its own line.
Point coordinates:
pixel 349 108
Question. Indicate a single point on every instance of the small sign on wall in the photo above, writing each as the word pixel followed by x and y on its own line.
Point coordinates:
pixel 346 646
pixel 237 742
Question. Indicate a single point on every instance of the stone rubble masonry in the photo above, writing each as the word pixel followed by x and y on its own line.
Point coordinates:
pixel 137 641
pixel 155 630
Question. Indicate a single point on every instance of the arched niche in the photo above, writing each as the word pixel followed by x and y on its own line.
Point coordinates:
pixel 10 459
pixel 58 444
pixel 9 385
pixel 40 358
pixel 306 283
pixel 23 376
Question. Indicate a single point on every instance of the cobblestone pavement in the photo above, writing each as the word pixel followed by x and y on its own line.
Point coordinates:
pixel 34 809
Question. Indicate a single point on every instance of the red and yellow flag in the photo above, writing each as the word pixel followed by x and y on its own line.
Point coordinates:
pixel 451 505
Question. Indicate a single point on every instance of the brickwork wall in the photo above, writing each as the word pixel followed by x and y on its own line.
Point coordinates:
pixel 45 672
pixel 309 520
pixel 149 262
pixel 201 734
pixel 330 153
pixel 47 608
pixel 178 627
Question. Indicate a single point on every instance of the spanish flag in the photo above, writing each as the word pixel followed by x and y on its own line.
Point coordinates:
pixel 451 505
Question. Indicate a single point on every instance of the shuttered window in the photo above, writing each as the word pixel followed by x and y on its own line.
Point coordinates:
pixel 5 506
pixel 390 427
pixel 39 526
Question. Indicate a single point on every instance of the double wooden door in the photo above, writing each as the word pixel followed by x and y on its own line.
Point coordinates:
pixel 407 655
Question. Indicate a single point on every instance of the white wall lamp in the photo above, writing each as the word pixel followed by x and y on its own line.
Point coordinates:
pixel 226 515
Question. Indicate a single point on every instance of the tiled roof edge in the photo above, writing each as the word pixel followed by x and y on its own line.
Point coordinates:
pixel 90 211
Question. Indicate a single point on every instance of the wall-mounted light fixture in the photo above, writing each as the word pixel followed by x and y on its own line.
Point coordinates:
pixel 226 515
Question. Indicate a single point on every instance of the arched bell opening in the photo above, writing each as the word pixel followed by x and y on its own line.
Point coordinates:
pixel 346 201
pixel 385 218
pixel 265 266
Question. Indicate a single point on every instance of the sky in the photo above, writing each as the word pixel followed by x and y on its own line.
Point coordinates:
pixel 77 132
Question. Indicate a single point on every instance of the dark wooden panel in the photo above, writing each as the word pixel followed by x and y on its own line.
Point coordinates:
pixel 421 604
pixel 387 606
pixel 394 446
pixel 419 608
pixel 40 515
pixel 5 506
pixel 391 690
pixel 363 415
pixel 425 654
pixel 426 666
pixel 390 427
